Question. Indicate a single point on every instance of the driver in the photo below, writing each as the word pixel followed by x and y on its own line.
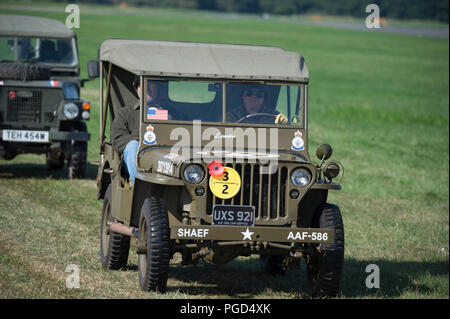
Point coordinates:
pixel 252 103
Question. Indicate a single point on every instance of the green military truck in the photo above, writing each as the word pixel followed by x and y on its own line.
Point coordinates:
pixel 40 107
pixel 216 181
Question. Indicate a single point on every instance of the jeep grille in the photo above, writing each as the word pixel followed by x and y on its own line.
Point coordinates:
pixel 267 192
pixel 25 109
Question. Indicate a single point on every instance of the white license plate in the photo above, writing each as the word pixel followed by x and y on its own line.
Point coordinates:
pixel 25 136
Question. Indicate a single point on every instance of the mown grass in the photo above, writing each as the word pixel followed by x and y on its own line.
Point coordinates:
pixel 380 100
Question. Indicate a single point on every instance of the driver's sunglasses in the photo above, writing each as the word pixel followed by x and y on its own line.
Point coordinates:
pixel 259 93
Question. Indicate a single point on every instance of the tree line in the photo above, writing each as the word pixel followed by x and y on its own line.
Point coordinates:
pixel 398 9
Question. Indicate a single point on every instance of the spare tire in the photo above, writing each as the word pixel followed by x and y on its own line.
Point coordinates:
pixel 24 71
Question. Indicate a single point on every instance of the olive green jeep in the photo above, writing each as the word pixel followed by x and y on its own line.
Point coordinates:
pixel 215 178
pixel 40 107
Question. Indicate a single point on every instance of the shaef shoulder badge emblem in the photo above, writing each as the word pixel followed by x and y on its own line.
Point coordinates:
pixel 149 136
pixel 297 142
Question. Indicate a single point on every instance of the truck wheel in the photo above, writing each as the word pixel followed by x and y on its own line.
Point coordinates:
pixel 55 162
pixel 114 248
pixel 155 232
pixel 7 154
pixel 78 157
pixel 324 266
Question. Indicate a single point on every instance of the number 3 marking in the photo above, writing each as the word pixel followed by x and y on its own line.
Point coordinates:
pixel 225 176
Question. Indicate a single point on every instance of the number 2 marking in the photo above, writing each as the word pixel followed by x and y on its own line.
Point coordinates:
pixel 225 187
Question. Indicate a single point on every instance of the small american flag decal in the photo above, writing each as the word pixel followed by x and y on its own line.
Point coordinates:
pixel 156 114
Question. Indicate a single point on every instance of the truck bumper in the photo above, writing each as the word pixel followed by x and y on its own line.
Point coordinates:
pixel 261 234
pixel 56 136
pixel 69 136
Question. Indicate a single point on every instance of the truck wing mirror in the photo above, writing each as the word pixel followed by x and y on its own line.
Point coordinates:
pixel 93 69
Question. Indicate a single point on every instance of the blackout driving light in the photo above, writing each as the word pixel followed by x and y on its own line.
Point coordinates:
pixel 300 177
pixel 70 111
pixel 194 174
pixel 331 170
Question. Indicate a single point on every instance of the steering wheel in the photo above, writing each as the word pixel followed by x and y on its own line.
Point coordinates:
pixel 252 118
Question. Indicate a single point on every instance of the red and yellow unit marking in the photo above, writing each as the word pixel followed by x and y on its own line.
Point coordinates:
pixel 226 185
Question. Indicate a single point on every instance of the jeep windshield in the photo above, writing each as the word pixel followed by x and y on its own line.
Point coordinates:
pixel 225 102
pixel 44 50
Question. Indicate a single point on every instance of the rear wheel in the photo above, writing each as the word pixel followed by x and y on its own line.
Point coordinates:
pixel 154 231
pixel 114 248
pixel 325 263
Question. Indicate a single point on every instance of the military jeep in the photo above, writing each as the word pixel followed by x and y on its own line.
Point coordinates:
pixel 40 107
pixel 207 187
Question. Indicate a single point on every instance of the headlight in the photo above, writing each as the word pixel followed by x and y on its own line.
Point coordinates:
pixel 194 174
pixel 70 111
pixel 300 177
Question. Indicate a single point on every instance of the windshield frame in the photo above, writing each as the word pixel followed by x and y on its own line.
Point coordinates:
pixel 303 102
pixel 73 46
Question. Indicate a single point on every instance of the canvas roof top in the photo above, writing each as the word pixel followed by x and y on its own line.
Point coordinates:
pixel 26 26
pixel 205 60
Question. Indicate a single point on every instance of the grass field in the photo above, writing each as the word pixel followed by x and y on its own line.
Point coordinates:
pixel 381 101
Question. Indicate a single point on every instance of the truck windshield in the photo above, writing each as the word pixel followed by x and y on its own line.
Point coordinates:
pixel 246 103
pixel 46 50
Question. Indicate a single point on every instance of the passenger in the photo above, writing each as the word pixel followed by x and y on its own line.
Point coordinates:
pixel 252 103
pixel 125 127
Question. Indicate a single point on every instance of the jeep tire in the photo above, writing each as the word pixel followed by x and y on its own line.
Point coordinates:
pixel 114 248
pixel 324 266
pixel 154 231
pixel 78 158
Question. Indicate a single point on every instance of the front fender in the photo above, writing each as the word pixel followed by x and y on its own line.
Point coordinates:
pixel 159 179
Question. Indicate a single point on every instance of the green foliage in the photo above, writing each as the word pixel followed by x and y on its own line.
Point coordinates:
pixel 400 9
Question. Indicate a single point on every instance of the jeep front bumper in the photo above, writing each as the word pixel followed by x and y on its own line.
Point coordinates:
pixel 258 233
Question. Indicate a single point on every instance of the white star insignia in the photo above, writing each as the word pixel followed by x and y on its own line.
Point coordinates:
pixel 247 234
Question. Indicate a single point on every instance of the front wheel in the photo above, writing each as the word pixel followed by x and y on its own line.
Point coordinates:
pixel 325 263
pixel 154 233
pixel 78 158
